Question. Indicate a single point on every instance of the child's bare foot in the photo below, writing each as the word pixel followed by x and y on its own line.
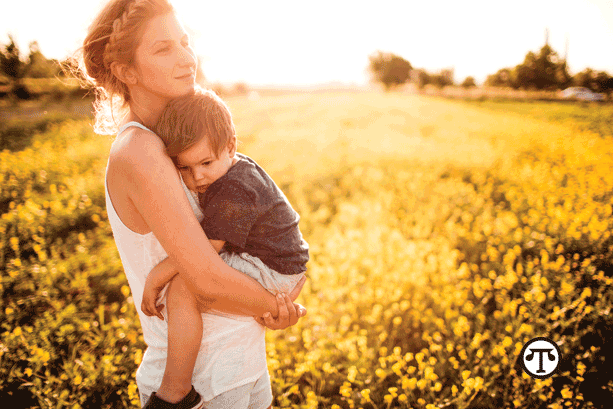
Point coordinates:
pixel 191 400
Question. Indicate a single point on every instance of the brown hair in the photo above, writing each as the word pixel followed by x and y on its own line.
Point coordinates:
pixel 189 118
pixel 112 37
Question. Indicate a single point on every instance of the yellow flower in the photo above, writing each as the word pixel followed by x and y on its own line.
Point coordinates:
pixel 567 393
pixel 465 375
pixel 366 394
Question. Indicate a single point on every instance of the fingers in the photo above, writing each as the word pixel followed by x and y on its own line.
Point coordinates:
pixel 269 321
pixel 151 310
pixel 159 312
pixel 283 318
pixel 291 309
pixel 300 310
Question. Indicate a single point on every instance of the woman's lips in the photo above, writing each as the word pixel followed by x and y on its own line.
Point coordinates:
pixel 186 77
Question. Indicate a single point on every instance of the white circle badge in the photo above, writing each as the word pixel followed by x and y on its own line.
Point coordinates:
pixel 540 357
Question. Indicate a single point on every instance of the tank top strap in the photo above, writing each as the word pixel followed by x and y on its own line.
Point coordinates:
pixel 132 123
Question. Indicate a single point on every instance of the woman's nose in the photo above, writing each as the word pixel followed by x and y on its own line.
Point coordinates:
pixel 187 57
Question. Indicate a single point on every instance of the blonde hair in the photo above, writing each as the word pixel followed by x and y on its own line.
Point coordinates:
pixel 112 37
pixel 188 119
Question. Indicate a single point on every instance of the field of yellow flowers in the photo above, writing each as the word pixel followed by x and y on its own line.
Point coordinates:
pixel 444 235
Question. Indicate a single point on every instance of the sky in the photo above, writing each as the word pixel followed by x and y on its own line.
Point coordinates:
pixel 305 43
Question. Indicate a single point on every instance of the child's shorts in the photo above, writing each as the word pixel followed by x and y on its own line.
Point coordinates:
pixel 254 395
pixel 254 267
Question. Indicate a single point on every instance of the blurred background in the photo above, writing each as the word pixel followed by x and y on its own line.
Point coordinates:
pixel 451 163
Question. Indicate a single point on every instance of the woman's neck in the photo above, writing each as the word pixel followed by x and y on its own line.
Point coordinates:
pixel 145 107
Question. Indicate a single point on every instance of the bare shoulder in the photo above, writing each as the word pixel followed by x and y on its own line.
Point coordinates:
pixel 136 147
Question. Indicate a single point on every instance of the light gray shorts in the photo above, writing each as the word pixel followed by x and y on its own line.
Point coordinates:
pixel 253 395
pixel 254 267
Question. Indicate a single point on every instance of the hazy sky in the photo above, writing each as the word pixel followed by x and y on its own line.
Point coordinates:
pixel 319 41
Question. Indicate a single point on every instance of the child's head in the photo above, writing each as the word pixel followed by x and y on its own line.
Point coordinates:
pixel 199 136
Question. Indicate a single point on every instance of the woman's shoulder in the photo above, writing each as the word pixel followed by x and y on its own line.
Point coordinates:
pixel 136 145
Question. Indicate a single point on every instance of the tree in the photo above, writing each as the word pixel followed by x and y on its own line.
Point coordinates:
pixel 443 78
pixel 504 77
pixel 420 77
pixel 469 82
pixel 544 70
pixel 604 82
pixel 10 61
pixel 390 69
pixel 38 66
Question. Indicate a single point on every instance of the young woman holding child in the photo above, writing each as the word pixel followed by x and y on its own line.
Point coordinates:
pixel 138 57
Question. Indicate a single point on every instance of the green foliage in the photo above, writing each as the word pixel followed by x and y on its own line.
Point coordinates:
pixel 38 66
pixel 469 82
pixel 389 69
pixel 542 71
pixel 10 60
pixel 595 81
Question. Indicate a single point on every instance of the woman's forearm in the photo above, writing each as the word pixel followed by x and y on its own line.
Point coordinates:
pixel 237 294
pixel 157 193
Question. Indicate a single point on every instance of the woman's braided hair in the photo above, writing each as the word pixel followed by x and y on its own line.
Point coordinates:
pixel 113 37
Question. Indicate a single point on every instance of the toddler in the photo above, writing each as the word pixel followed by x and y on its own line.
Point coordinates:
pixel 247 218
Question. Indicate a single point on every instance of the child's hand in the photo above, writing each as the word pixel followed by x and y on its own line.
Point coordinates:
pixel 150 296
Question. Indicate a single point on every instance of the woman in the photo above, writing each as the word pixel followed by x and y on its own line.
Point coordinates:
pixel 138 56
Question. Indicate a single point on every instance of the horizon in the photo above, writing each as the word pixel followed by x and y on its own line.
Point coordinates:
pixel 278 44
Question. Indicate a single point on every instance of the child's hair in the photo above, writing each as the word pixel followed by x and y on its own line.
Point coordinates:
pixel 113 37
pixel 189 118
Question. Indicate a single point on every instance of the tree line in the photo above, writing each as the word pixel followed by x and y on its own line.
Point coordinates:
pixel 543 70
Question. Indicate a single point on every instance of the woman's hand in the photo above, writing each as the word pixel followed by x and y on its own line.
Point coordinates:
pixel 289 313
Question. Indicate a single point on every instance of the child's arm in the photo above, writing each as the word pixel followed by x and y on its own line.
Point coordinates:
pixel 158 277
pixel 156 280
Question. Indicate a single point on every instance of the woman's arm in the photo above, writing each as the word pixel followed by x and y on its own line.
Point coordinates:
pixel 156 191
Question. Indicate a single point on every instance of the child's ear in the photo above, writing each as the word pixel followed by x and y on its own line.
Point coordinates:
pixel 232 146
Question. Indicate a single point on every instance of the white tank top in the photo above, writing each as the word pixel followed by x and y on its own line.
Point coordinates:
pixel 233 349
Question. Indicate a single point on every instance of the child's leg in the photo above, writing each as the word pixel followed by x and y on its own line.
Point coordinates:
pixel 184 337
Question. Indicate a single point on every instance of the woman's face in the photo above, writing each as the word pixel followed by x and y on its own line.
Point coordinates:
pixel 164 61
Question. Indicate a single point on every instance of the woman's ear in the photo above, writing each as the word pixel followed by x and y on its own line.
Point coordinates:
pixel 124 73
